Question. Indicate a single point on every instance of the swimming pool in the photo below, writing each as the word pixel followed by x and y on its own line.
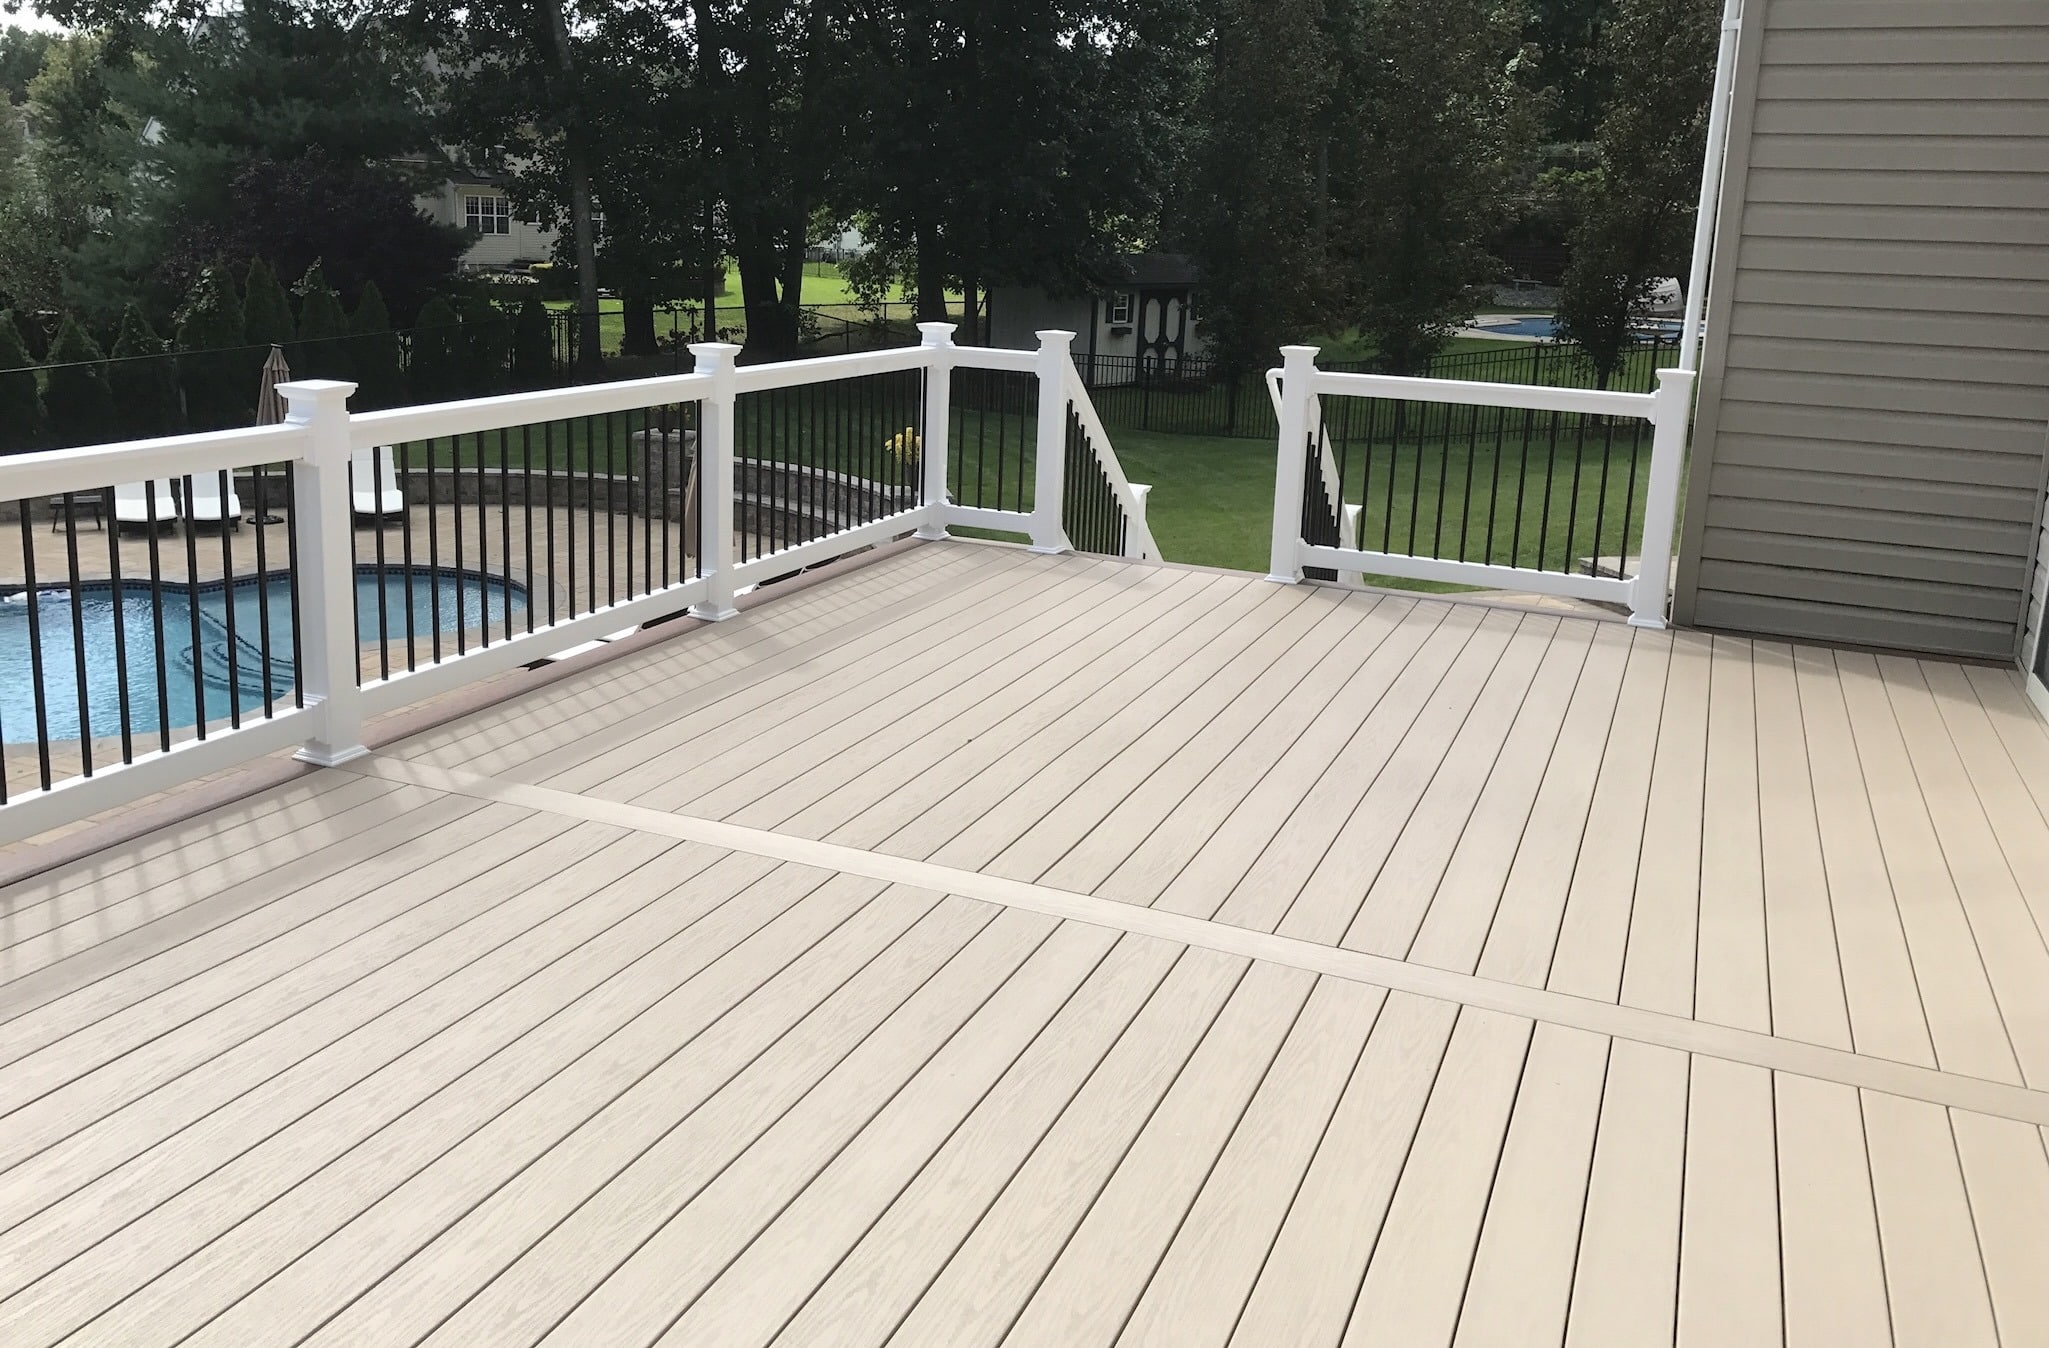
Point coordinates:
pixel 414 598
pixel 1544 325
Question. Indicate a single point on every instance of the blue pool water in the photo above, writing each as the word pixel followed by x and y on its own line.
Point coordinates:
pixel 204 649
pixel 1543 325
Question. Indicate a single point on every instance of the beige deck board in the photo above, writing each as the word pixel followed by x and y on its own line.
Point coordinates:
pixel 858 681
pixel 1200 1286
pixel 1625 1287
pixel 944 713
pixel 1834 1278
pixel 1729 1228
pixel 1413 1287
pixel 1807 998
pixel 536 723
pixel 994 1273
pixel 1521 1281
pixel 722 996
pixel 1733 967
pixel 1476 803
pixel 1888 1017
pixel 1967 981
pixel 1934 1274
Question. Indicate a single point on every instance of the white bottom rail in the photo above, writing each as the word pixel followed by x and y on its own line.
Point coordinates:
pixel 1567 584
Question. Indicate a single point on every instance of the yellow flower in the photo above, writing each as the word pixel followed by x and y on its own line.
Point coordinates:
pixel 906 444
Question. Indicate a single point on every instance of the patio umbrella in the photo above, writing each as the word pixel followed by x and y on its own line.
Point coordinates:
pixel 270 407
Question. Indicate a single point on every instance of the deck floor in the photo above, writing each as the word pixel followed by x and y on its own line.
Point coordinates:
pixel 989 948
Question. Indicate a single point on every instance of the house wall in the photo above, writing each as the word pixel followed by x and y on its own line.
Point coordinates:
pixel 526 243
pixel 1868 451
pixel 2035 630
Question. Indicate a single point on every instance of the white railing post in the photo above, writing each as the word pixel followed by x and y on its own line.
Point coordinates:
pixel 1049 482
pixel 938 341
pixel 1672 407
pixel 1140 493
pixel 1298 367
pixel 329 662
pixel 717 446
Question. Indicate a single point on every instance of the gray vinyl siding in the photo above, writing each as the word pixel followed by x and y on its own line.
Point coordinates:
pixel 2034 653
pixel 1868 454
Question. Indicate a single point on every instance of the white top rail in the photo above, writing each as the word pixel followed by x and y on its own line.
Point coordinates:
pixel 824 369
pixel 994 358
pixel 50 472
pixel 1541 397
pixel 398 425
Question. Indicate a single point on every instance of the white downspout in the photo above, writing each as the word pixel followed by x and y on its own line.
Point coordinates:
pixel 1719 107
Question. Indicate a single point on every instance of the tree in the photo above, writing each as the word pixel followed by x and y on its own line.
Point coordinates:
pixel 485 347
pixel 515 79
pixel 75 394
pixel 357 222
pixel 266 313
pixel 533 346
pixel 1636 216
pixel 1258 204
pixel 141 380
pixel 1011 141
pixel 374 349
pixel 436 369
pixel 212 364
pixel 22 53
pixel 22 424
pixel 323 331
pixel 1430 117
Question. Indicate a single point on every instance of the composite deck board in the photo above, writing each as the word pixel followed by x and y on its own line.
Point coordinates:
pixel 358 1063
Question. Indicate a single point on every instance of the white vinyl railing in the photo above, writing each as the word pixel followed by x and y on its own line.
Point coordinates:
pixel 1299 392
pixel 325 715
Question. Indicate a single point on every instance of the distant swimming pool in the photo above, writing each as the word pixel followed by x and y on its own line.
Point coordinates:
pixel 1544 325
pixel 411 602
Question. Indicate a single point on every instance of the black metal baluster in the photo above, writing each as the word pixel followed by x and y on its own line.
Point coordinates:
pixel 526 508
pixel 120 630
pixel 611 517
pixel 590 524
pixel 455 514
pixel 35 645
pixel 1443 478
pixel 1629 530
pixel 401 471
pixel 1494 493
pixel 1601 498
pixel 434 547
pixel 1522 487
pixel 1579 454
pixel 259 479
pixel 504 536
pixel 192 612
pixel 1550 474
pixel 483 549
pixel 376 490
pixel 228 614
pixel 291 583
pixel 78 634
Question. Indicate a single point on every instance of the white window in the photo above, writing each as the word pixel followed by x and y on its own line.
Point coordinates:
pixel 1120 308
pixel 487 215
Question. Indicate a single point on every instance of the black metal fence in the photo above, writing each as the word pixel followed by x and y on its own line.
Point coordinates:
pixel 993 438
pixel 1197 396
pixel 1090 509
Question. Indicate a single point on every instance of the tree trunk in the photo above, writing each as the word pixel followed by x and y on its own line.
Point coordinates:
pixel 931 275
pixel 771 328
pixel 638 338
pixel 589 355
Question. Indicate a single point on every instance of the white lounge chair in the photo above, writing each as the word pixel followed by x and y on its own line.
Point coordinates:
pixel 204 503
pixel 373 483
pixel 132 501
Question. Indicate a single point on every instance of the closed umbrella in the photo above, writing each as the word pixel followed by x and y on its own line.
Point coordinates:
pixel 270 411
pixel 270 404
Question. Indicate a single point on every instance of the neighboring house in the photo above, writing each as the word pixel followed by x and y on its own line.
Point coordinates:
pixel 1139 313
pixel 477 202
pixel 1869 451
